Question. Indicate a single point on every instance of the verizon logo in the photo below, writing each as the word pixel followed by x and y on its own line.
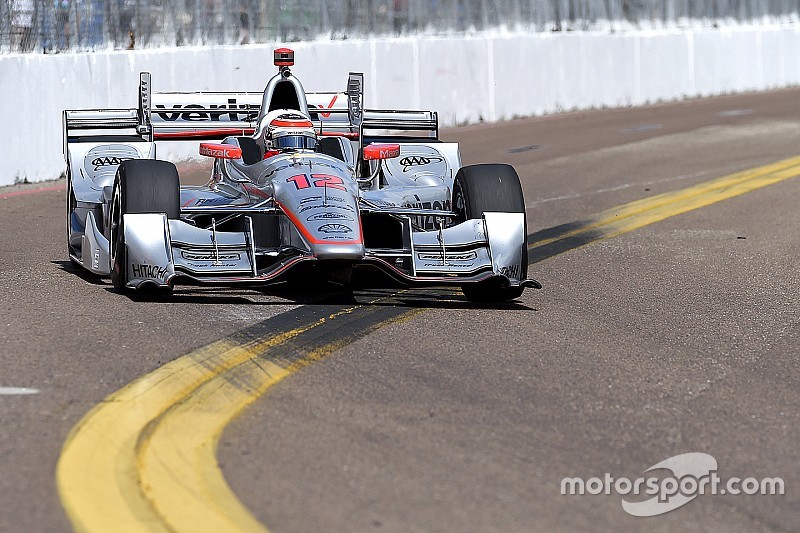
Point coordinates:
pixel 230 112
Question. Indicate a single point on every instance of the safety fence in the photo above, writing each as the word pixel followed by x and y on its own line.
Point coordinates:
pixel 51 26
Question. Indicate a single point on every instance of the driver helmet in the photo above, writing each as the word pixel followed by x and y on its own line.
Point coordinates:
pixel 289 131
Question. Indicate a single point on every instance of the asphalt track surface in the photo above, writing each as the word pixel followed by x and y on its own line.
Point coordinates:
pixel 665 327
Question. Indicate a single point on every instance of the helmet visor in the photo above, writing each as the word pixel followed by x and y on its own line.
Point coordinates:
pixel 296 142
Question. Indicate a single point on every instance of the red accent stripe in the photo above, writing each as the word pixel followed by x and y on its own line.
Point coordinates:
pixel 307 234
pixel 203 134
pixel 28 192
pixel 291 123
pixel 255 191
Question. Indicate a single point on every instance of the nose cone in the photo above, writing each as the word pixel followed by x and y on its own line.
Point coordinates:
pixel 320 199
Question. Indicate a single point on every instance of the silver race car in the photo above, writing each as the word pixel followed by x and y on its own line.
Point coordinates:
pixel 301 188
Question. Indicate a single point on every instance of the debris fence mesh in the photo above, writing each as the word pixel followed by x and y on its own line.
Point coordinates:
pixel 49 26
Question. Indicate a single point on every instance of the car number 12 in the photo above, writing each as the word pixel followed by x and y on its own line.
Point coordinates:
pixel 302 181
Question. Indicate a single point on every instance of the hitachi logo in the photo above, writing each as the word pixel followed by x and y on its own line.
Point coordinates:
pixel 231 112
pixel 149 271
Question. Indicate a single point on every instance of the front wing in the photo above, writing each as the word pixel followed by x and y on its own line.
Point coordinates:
pixel 163 252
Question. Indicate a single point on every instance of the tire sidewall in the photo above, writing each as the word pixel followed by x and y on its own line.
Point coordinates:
pixel 119 267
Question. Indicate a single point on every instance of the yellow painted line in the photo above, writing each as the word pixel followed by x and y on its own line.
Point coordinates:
pixel 647 211
pixel 115 465
pixel 177 458
pixel 97 473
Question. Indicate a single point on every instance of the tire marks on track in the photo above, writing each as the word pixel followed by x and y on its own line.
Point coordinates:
pixel 148 452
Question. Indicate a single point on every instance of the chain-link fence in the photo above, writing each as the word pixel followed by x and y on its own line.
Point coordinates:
pixel 53 25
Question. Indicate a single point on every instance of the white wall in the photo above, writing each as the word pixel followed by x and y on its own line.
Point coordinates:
pixel 466 79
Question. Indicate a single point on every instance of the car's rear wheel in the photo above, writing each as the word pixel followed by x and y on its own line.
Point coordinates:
pixel 140 186
pixel 489 188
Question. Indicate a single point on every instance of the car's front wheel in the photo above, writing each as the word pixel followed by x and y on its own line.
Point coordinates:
pixel 140 186
pixel 489 188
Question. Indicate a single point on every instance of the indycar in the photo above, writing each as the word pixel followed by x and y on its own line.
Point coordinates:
pixel 365 195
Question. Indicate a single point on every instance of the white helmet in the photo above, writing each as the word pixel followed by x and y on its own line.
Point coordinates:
pixel 287 129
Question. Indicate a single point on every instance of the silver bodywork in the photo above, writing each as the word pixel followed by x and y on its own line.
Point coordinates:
pixel 259 221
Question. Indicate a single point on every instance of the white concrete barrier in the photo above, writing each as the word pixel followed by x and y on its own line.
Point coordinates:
pixel 465 78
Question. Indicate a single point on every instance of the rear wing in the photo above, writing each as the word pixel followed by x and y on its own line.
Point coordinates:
pixel 214 115
pixel 381 125
pixel 124 125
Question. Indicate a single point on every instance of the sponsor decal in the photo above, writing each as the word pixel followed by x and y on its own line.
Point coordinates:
pixel 220 150
pixel 212 201
pixel 149 271
pixel 100 162
pixel 389 153
pixel 451 265
pixel 451 256
pixel 427 222
pixel 435 205
pixel 335 199
pixel 323 115
pixel 338 167
pixel 381 151
pixel 382 203
pixel 329 216
pixel 320 206
pixel 512 271
pixel 235 112
pixel 225 265
pixel 310 199
pixel 189 256
pixel 96 260
pixel 334 228
pixel 418 161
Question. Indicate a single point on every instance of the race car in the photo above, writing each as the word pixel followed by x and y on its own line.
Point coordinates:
pixel 300 189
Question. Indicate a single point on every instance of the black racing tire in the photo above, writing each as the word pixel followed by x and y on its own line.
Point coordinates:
pixel 482 189
pixel 72 204
pixel 140 186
